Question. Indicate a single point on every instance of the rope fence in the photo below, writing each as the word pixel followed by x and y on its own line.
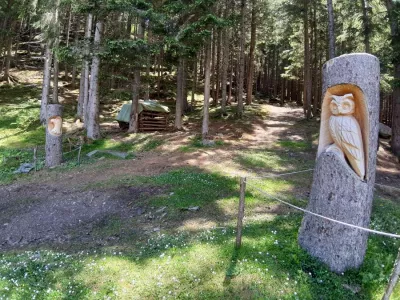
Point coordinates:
pixel 244 181
pixel 39 161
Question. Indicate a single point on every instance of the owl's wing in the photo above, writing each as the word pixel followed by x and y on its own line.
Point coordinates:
pixel 349 133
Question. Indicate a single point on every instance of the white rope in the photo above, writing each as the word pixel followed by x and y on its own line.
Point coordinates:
pixel 387 186
pixel 396 236
pixel 272 175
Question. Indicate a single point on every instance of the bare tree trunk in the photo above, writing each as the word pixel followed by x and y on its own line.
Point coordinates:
pixel 393 11
pixel 179 96
pixel 46 84
pixel 74 68
pixel 194 87
pixel 307 77
pixel 213 94
pixel 239 111
pixel 67 39
pixel 366 24
pixel 225 59
pixel 86 67
pixel 207 75
pixel 331 29
pixel 55 79
pixel 251 55
pixel 185 106
pixel 8 57
pixel 218 67
pixel 134 120
pixel 93 125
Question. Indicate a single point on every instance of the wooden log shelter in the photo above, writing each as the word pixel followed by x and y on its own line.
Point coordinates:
pixel 152 116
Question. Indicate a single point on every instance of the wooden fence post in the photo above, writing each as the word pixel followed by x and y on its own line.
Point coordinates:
pixel 393 278
pixel 35 158
pixel 240 212
pixel 79 155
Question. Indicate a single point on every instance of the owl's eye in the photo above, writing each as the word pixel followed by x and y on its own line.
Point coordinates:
pixel 346 105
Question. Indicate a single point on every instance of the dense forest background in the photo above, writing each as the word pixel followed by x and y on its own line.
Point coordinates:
pixel 232 51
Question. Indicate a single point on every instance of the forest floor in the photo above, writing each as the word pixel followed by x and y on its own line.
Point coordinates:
pixel 161 223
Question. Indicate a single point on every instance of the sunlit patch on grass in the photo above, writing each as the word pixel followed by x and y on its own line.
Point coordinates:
pixel 294 145
pixel 269 160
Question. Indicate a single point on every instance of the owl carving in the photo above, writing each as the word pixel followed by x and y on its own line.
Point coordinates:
pixel 55 126
pixel 346 133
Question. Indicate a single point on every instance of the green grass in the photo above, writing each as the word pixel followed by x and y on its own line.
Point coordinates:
pixel 203 264
pixel 294 145
pixel 272 160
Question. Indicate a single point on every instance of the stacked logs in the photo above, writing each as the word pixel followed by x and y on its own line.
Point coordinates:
pixel 153 121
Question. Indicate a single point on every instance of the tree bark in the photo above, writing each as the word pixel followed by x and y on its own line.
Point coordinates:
pixel 93 125
pixel 250 74
pixel 134 119
pixel 393 10
pixel 331 29
pixel 55 79
pixel 307 77
pixel 225 60
pixel 367 25
pixel 194 87
pixel 53 135
pixel 46 84
pixel 207 75
pixel 86 71
pixel 239 111
pixel 179 96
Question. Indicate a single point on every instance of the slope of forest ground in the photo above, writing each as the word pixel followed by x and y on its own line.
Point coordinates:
pixel 121 229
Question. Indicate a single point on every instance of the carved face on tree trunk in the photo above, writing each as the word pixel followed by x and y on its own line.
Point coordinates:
pixel 54 125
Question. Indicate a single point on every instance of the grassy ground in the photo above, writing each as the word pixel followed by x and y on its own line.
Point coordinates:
pixel 190 254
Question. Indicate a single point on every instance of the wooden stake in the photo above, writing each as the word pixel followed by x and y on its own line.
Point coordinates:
pixel 79 155
pixel 393 279
pixel 35 158
pixel 240 212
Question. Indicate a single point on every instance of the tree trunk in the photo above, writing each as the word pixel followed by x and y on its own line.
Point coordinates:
pixel 86 68
pixel 393 11
pixel 194 87
pixel 239 111
pixel 179 96
pixel 331 29
pixel 134 119
pixel 8 59
pixel 307 77
pixel 251 55
pixel 207 75
pixel 338 192
pixel 366 24
pixel 53 135
pixel 213 76
pixel 93 125
pixel 46 84
pixel 55 80
pixel 225 60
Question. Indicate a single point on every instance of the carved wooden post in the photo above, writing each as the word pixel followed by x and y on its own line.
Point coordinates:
pixel 344 176
pixel 239 226
pixel 54 135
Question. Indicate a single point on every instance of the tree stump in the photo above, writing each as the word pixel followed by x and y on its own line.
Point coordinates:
pixel 338 191
pixel 54 135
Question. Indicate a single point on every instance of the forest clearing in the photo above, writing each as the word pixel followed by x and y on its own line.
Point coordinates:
pixel 120 228
pixel 204 149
